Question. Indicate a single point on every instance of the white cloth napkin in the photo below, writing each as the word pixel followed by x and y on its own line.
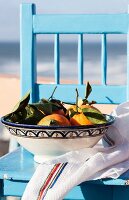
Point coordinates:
pixel 53 179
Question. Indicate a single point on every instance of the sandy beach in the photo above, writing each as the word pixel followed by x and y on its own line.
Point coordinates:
pixel 10 93
pixel 10 90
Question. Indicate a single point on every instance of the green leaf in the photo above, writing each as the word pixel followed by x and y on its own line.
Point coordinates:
pixel 33 115
pixel 38 106
pixel 57 105
pixel 22 103
pixel 45 107
pixel 17 117
pixel 88 90
pixel 85 101
pixel 92 102
pixel 43 101
pixel 72 112
pixel 77 95
pixel 94 115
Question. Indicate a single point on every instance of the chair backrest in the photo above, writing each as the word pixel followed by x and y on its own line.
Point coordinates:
pixel 33 24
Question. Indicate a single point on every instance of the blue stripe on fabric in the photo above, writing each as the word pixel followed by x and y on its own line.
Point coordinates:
pixel 59 174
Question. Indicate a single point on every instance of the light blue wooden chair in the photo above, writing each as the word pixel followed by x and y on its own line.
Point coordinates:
pixel 16 168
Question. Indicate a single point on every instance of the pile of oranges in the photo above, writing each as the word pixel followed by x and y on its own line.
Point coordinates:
pixel 65 119
pixel 81 113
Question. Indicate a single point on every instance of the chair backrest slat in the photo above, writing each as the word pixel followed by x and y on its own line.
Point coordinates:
pixel 80 23
pixel 57 58
pixel 80 59
pixel 103 94
pixel 104 59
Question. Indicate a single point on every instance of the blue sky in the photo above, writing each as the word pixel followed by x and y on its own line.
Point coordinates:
pixel 9 11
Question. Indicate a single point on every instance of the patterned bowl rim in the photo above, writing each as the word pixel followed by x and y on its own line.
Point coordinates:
pixel 110 119
pixel 58 138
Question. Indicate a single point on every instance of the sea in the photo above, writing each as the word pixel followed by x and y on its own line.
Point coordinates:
pixel 116 65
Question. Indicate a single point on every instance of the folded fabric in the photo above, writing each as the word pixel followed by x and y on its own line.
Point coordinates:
pixel 54 178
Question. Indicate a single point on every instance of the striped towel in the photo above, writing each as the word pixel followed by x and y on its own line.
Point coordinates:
pixel 55 178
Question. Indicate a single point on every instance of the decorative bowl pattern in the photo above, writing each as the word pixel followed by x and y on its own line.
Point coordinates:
pixel 48 142
pixel 61 133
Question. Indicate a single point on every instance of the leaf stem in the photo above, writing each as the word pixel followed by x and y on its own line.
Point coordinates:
pixel 52 93
pixel 77 95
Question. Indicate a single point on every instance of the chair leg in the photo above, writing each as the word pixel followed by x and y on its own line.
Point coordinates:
pixel 12 144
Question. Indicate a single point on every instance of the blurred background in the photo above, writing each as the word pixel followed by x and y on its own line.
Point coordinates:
pixel 9 48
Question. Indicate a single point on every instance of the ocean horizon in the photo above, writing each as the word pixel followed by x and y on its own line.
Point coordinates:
pixel 116 71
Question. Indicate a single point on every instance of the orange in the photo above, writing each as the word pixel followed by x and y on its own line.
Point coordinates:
pixel 58 119
pixel 80 119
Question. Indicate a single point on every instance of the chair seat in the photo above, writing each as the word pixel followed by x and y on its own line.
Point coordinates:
pixel 17 167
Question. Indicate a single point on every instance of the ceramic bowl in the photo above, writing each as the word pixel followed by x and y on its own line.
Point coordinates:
pixel 47 142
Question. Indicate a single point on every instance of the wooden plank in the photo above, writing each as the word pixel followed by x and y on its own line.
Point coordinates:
pixel 80 23
pixel 27 50
pixel 96 192
pixel 121 193
pixel 17 165
pixel 1 188
pixel 81 192
pixel 10 190
pixel 104 59
pixel 14 188
pixel 75 194
pixel 80 59
pixel 102 94
pixel 57 58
